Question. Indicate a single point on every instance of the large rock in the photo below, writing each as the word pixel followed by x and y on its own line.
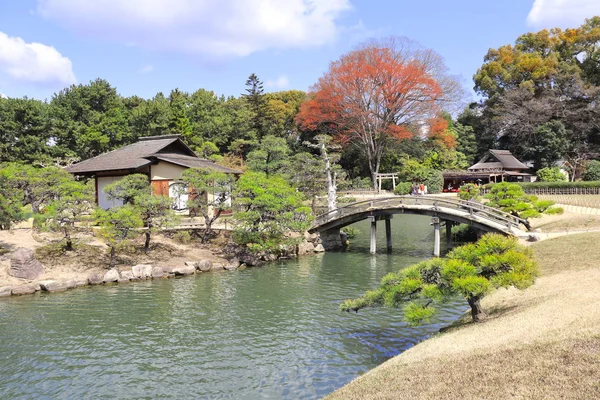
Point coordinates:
pixel 319 248
pixel 232 265
pixel 251 259
pixel 127 274
pixel 95 279
pixel 23 264
pixel 158 272
pixel 53 286
pixel 204 265
pixel 184 270
pixel 311 237
pixel 142 271
pixel 306 248
pixel 217 267
pixel 111 276
pixel 79 282
pixel 25 289
pixel 5 291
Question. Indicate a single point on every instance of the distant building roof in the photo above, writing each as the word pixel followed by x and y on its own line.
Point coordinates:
pixel 169 148
pixel 498 160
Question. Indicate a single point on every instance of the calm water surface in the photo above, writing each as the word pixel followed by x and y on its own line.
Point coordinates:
pixel 273 332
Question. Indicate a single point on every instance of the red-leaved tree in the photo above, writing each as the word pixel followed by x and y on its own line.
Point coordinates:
pixel 381 92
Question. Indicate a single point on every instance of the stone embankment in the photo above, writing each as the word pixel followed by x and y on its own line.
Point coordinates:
pixel 23 263
pixel 25 266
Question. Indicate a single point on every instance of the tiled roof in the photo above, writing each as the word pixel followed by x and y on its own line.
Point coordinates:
pixel 505 160
pixel 193 162
pixel 140 154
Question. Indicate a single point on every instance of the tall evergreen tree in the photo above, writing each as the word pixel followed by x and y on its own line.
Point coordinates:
pixel 255 97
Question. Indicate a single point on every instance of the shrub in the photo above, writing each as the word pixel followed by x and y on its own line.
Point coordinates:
pixel 403 188
pixel 351 232
pixel 551 174
pixel 592 171
pixel 182 237
pixel 468 192
pixel 464 233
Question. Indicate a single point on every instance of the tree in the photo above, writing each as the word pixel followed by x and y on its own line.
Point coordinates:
pixel 510 198
pixel 470 271
pixel 327 150
pixel 592 171
pixel 35 186
pixel 550 143
pixel 10 204
pixel 305 172
pixel 25 131
pixel 209 194
pixel 117 226
pixel 73 203
pixel 255 97
pixel 552 174
pixel 180 122
pixel 272 212
pixel 466 142
pixel 378 94
pixel 469 192
pixel 154 211
pixel 89 120
pixel 270 156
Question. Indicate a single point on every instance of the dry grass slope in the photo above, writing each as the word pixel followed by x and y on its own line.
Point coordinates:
pixel 541 343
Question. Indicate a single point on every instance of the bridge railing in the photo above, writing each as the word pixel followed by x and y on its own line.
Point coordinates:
pixel 473 208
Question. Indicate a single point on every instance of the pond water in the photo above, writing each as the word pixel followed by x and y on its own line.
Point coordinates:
pixel 273 332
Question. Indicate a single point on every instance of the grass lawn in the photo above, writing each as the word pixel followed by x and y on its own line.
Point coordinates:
pixel 580 200
pixel 541 343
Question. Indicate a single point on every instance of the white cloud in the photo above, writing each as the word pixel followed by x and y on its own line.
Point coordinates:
pixel 3 96
pixel 33 62
pixel 146 69
pixel 281 82
pixel 562 13
pixel 214 28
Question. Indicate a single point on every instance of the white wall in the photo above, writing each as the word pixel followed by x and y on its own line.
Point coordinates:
pixel 103 200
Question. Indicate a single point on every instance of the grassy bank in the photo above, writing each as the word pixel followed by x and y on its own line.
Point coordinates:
pixel 543 342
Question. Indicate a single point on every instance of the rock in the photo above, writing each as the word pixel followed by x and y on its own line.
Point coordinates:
pixel 231 266
pixel 242 267
pixel 191 263
pixel 306 248
pixel 158 272
pixel 204 265
pixel 250 259
pixel 217 267
pixel 142 271
pixel 5 291
pixel 534 237
pixel 23 264
pixel 310 237
pixel 72 284
pixel 53 286
pixel 127 274
pixel 184 270
pixel 123 280
pixel 111 276
pixel 168 269
pixel 25 289
pixel 81 282
pixel 95 279
pixel 319 248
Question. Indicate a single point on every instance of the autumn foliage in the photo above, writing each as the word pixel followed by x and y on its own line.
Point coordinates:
pixel 372 96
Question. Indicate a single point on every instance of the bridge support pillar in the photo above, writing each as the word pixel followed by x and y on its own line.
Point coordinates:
pixel 331 239
pixel 388 233
pixel 373 248
pixel 435 221
pixel 449 225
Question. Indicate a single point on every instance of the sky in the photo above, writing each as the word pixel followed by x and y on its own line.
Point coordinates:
pixel 143 47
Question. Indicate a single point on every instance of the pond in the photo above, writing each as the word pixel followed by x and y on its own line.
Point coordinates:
pixel 272 332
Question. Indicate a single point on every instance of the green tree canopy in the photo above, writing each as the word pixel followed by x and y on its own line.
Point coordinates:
pixel 272 211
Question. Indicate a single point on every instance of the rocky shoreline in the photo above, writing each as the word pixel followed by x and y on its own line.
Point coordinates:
pixel 24 266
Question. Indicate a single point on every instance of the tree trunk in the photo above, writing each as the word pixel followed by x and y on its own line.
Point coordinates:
pixel 331 188
pixel 147 242
pixel 69 245
pixel 113 260
pixel 476 311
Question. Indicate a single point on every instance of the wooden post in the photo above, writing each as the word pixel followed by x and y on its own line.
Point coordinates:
pixel 449 234
pixel 388 233
pixel 435 221
pixel 373 235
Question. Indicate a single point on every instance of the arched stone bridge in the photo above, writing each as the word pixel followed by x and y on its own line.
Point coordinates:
pixel 450 211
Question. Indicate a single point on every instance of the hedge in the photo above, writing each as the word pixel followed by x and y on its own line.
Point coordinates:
pixel 592 187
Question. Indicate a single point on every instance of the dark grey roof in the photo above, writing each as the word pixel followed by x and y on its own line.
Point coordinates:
pixel 498 159
pixel 169 148
pixel 193 162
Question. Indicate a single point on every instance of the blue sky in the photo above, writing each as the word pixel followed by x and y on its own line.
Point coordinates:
pixel 145 46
